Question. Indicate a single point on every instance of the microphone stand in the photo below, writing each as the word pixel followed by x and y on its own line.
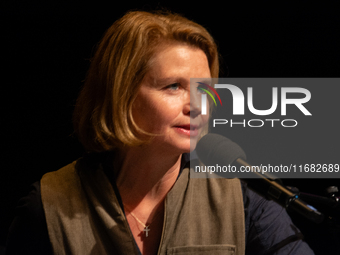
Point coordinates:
pixel 330 206
pixel 271 189
pixel 323 238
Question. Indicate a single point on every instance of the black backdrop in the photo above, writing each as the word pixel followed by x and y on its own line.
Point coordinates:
pixel 47 47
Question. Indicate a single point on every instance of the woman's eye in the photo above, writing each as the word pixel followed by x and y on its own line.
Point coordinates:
pixel 174 86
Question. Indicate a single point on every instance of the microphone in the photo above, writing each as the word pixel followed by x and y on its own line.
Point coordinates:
pixel 214 149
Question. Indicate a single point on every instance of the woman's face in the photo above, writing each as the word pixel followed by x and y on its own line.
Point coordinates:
pixel 164 104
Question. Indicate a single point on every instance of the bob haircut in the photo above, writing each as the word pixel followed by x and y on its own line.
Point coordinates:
pixel 102 117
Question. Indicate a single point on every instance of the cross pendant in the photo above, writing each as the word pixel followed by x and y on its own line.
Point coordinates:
pixel 146 230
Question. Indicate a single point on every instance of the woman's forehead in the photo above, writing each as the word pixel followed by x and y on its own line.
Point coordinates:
pixel 179 60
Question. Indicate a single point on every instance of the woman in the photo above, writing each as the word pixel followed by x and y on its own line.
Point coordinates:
pixel 132 192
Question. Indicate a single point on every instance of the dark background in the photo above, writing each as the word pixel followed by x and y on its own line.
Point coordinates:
pixel 45 54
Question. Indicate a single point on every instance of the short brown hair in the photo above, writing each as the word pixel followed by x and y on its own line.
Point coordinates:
pixel 103 113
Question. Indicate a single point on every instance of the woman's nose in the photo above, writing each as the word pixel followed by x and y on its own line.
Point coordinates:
pixel 194 104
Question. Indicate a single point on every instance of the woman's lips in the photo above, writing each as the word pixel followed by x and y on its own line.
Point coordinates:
pixel 189 130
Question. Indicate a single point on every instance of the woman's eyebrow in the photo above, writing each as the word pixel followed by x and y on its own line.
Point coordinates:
pixel 168 80
pixel 203 80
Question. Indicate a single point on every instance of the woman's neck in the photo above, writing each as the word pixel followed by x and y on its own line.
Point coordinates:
pixel 145 176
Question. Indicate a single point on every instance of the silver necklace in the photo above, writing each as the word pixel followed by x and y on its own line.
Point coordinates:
pixel 146 227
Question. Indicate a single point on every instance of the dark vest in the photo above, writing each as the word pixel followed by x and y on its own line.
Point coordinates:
pixel 83 215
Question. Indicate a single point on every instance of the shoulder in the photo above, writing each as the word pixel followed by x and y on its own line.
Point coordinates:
pixel 59 183
pixel 269 227
pixel 28 232
pixel 66 180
